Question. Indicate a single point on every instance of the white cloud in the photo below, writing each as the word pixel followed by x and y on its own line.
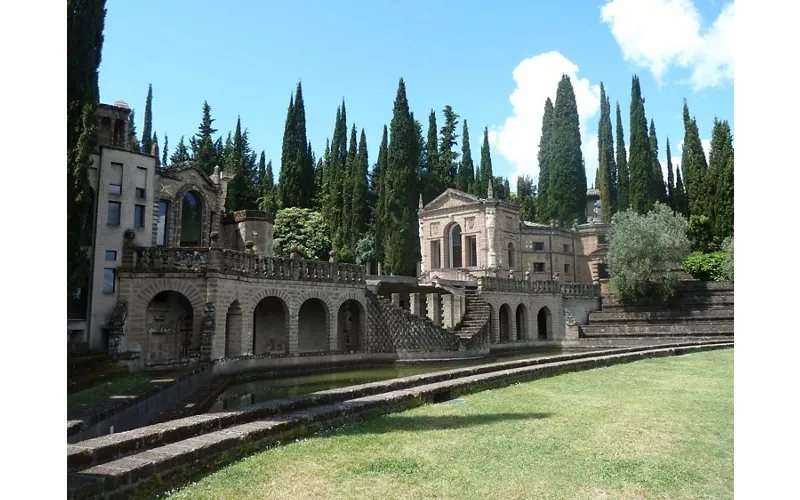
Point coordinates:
pixel 518 138
pixel 656 34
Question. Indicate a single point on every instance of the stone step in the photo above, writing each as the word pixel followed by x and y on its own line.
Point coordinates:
pixel 625 330
pixel 660 315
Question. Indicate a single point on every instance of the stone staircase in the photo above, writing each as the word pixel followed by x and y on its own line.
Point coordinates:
pixel 703 309
pixel 476 314
pixel 397 330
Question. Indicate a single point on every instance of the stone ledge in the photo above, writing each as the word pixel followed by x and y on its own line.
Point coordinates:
pixel 156 470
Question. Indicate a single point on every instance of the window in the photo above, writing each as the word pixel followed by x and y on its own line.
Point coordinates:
pixel 140 193
pixel 138 216
pixel 436 258
pixel 192 219
pixel 115 179
pixel 109 280
pixel 455 246
pixel 567 269
pixel 141 182
pixel 538 267
pixel 601 239
pixel 113 212
pixel 472 250
pixel 538 245
pixel 161 225
pixel 566 248
pixel 111 255
pixel 115 189
pixel 602 271
pixel 510 255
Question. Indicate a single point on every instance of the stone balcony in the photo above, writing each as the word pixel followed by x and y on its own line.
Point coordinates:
pixel 491 284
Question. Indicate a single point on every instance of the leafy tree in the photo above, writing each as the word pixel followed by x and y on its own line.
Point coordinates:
pixel 701 233
pixel 670 181
pixel 133 141
pixel 486 164
pixel 365 250
pixel 567 187
pixel 727 266
pixel 181 154
pixel 466 169
pixel 85 22
pixel 641 161
pixel 147 130
pixel 204 151
pixel 526 198
pixel 623 174
pixel 447 155
pixel 544 210
pixel 720 179
pixel 644 250
pixel 304 228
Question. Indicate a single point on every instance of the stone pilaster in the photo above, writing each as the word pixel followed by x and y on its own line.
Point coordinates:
pixel 490 224
pixel 435 308
pixel 396 299
pixel 416 300
pixel 207 333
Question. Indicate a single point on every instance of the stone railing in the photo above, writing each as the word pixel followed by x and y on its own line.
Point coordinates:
pixel 196 260
pixel 490 284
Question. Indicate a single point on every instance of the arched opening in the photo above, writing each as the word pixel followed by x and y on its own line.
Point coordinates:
pixel 191 220
pixel 454 239
pixel 119 133
pixel 105 136
pixel 522 322
pixel 544 324
pixel 511 256
pixel 170 327
pixel 270 327
pixel 349 326
pixel 505 325
pixel 233 330
pixel 492 331
pixel 312 327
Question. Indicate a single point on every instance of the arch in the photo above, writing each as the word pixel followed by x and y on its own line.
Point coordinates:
pixel 350 326
pixel 505 322
pixel 170 327
pixel 312 326
pixel 511 263
pixel 270 326
pixel 492 328
pixel 233 330
pixel 454 246
pixel 106 136
pixel 191 220
pixel 544 324
pixel 120 127
pixel 522 322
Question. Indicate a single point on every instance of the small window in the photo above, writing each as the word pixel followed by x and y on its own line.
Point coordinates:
pixel 111 255
pixel 538 245
pixel 602 271
pixel 567 268
pixel 566 248
pixel 601 239
pixel 538 267
pixel 138 216
pixel 113 212
pixel 140 193
pixel 109 280
pixel 115 189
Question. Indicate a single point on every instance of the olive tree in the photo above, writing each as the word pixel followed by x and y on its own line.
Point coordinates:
pixel 644 251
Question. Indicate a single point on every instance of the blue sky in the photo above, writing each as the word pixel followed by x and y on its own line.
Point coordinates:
pixel 246 57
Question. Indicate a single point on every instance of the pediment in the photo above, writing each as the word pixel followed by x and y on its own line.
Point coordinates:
pixel 451 198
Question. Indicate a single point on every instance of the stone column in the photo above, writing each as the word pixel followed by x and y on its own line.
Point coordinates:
pixel 396 299
pixel 294 339
pixel 435 308
pixel 490 221
pixel 512 325
pixel 416 304
pixel 404 301
pixel 447 311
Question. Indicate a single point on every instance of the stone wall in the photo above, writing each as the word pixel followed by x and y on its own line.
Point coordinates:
pixel 392 329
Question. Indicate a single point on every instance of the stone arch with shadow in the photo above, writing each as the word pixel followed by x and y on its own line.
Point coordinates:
pixel 233 330
pixel 271 327
pixel 314 322
pixel 453 246
pixel 173 313
pixel 505 323
pixel 176 216
pixel 351 325
pixel 522 322
pixel 544 324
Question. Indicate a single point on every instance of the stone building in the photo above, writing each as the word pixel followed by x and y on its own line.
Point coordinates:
pixel 135 199
pixel 462 235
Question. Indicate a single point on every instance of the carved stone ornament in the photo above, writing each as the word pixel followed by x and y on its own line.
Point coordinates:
pixel 470 222
pixel 434 228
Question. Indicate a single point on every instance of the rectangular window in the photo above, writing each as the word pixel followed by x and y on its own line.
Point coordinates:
pixel 109 280
pixel 601 239
pixel 114 212
pixel 140 193
pixel 115 179
pixel 538 245
pixel 566 248
pixel 436 256
pixel 161 226
pixel 115 189
pixel 567 268
pixel 138 216
pixel 111 255
pixel 602 271
pixel 538 267
pixel 141 182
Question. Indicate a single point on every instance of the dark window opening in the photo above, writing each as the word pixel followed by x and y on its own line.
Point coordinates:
pixel 161 226
pixel 140 193
pixel 111 255
pixel 115 189
pixel 538 245
pixel 109 280
pixel 138 216
pixel 114 208
pixel 538 267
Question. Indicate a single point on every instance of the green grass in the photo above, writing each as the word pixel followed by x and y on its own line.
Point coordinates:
pixel 118 386
pixel 659 428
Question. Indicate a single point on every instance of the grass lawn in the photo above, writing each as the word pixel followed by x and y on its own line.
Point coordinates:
pixel 660 428
pixel 105 390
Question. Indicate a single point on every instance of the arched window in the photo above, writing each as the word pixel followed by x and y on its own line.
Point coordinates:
pixel 191 221
pixel 455 246
pixel 510 255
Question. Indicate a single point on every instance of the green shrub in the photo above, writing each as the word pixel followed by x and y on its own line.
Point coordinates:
pixel 727 266
pixel 303 228
pixel 644 250
pixel 701 234
pixel 706 266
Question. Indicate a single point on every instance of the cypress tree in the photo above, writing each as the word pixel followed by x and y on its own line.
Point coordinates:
pixel 241 161
pixel 85 22
pixel 261 174
pixel 543 209
pixel 133 141
pixel 567 188
pixel 693 161
pixel 380 178
pixel 336 176
pixel 720 179
pixel 288 175
pixel 348 229
pixel 360 206
pixel 164 155
pixel 466 169
pixel 486 164
pixel 181 154
pixel 402 238
pixel 435 185
pixel 147 131
pixel 623 174
pixel 658 188
pixel 607 170
pixel 641 162
pixel 448 157
pixel 681 202
pixel 670 180
pixel 206 154
pixel 154 142
pixel 297 167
